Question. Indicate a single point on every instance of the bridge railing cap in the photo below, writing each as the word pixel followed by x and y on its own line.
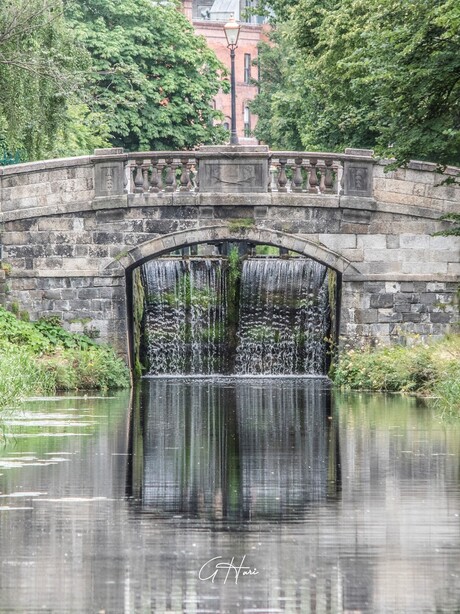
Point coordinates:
pixel 218 149
pixel 109 151
pixel 365 153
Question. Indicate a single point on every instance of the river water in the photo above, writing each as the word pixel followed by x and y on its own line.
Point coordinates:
pixel 328 502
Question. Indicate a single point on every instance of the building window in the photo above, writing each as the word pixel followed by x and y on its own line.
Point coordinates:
pixel 247 68
pixel 247 122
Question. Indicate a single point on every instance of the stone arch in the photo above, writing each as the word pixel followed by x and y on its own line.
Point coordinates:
pixel 228 232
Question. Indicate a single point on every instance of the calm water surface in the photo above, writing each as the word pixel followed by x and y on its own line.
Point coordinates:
pixel 340 503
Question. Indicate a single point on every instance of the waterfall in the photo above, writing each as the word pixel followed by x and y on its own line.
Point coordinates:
pixel 284 317
pixel 185 316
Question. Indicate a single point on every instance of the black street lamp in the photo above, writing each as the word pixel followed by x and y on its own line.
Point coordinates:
pixel 232 31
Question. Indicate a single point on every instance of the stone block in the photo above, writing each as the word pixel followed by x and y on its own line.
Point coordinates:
pixel 244 212
pixel 66 251
pixel 338 242
pixel 108 281
pixel 379 301
pixel 435 286
pixel 379 329
pixel 453 268
pixel 424 268
pixel 366 316
pixel 374 287
pixel 260 212
pixel 356 216
pixel 414 241
pixel 389 315
pixel 419 308
pixel 55 223
pixel 392 287
pixel 441 317
pixel 178 213
pixel 110 216
pixel 445 243
pixel 407 286
pixel 81 251
pixel 402 308
pixel 378 268
pixel 406 298
pixel 106 238
pixel 206 212
pixel 81 282
pixel 373 241
pixel 378 255
pixel 392 242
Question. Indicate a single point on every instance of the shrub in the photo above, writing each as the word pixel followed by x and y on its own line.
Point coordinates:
pixel 40 357
pixel 425 369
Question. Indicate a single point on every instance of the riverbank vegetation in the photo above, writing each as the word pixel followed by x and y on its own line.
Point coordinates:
pixel 41 358
pixel 426 369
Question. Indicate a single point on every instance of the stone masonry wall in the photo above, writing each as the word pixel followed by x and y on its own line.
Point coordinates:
pixel 398 312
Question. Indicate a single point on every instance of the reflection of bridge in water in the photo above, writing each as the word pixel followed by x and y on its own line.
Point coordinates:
pixel 249 449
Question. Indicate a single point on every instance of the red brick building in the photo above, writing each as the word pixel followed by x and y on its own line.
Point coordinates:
pixel 208 18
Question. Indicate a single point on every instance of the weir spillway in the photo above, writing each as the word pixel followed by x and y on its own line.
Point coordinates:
pixel 263 316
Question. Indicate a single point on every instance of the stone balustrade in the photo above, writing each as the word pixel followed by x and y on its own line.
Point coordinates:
pixel 285 171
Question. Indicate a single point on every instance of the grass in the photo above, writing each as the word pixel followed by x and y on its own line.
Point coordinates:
pixel 41 358
pixel 431 369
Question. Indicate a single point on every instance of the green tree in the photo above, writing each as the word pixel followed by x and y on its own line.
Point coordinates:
pixel 375 73
pixel 153 80
pixel 279 102
pixel 40 70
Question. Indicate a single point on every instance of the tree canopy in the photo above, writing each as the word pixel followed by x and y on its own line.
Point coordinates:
pixel 40 69
pixel 383 74
pixel 153 79
pixel 75 75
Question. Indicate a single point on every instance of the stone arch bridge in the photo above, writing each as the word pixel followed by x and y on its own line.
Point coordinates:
pixel 73 230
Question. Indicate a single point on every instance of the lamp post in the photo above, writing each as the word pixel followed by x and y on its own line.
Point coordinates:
pixel 232 31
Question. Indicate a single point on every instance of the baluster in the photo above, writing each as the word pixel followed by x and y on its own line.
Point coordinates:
pixel 185 175
pixel 322 179
pixel 138 178
pixel 313 179
pixel 341 179
pixel 126 172
pixel 297 179
pixel 170 180
pixel 161 167
pixel 329 178
pixel 196 178
pixel 271 185
pixel 282 179
pixel 145 175
pixel 155 178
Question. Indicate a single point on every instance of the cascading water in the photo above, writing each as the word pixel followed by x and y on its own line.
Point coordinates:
pixel 284 317
pixel 185 316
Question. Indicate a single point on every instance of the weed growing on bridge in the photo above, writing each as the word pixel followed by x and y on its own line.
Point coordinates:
pixel 41 357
